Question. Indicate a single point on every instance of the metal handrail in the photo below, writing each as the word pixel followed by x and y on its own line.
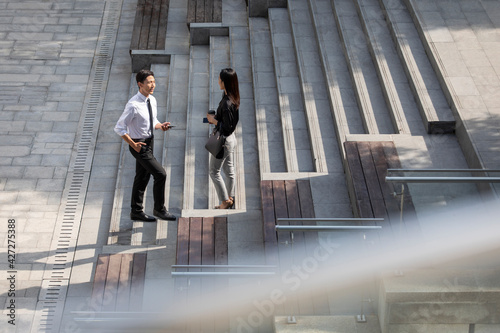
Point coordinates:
pixel 233 274
pixel 271 270
pixel 328 219
pixel 224 266
pixel 442 179
pixel 325 228
pixel 442 170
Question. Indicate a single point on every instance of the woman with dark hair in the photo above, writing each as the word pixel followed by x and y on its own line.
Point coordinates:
pixel 225 119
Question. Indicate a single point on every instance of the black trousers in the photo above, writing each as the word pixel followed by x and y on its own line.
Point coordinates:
pixel 145 166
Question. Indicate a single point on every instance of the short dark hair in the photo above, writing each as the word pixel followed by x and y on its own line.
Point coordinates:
pixel 143 74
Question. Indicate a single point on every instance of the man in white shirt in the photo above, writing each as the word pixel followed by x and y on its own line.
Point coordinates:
pixel 136 126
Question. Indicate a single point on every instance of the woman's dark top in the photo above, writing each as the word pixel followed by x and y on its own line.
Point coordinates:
pixel 227 116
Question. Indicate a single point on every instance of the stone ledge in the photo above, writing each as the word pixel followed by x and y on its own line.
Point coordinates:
pixel 142 59
pixel 200 32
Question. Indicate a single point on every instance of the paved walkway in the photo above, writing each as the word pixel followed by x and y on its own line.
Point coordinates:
pixel 65 76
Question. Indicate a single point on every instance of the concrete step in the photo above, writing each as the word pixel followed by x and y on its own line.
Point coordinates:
pixel 327 153
pixel 195 195
pixel 296 138
pixel 376 116
pixel 270 144
pixel 398 96
pixel 340 86
pixel 440 296
pixel 312 82
pixel 219 59
pixel 175 140
pixel 247 157
pixel 431 101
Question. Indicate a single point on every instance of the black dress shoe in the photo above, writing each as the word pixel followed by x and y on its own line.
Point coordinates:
pixel 164 215
pixel 141 216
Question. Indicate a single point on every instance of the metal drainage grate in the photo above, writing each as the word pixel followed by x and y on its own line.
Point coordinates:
pixel 50 307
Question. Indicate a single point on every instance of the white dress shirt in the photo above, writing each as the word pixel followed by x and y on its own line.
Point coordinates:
pixel 135 118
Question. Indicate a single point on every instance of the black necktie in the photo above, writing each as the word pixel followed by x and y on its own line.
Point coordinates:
pixel 150 118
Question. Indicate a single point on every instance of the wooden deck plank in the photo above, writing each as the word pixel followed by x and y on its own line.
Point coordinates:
pixel 124 283
pixel 137 281
pixel 99 284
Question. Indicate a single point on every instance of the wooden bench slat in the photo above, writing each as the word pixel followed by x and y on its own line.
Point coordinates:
pixel 191 13
pixel 146 23
pixel 305 303
pixel 99 284
pixel 119 282
pixel 124 283
pixel 321 305
pixel 306 202
pixel 111 288
pixel 268 217
pixel 208 11
pixel 221 250
pixel 195 234
pixel 358 180
pixel 182 258
pixel 410 216
pixel 307 211
pixel 217 11
pixel 371 181
pixel 137 281
pixel 390 203
pixel 280 207
pixel 368 165
pixel 200 11
pixel 136 32
pixel 292 200
pixel 208 241
pixel 154 24
pixel 182 252
pixel 162 25
pixel 293 208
